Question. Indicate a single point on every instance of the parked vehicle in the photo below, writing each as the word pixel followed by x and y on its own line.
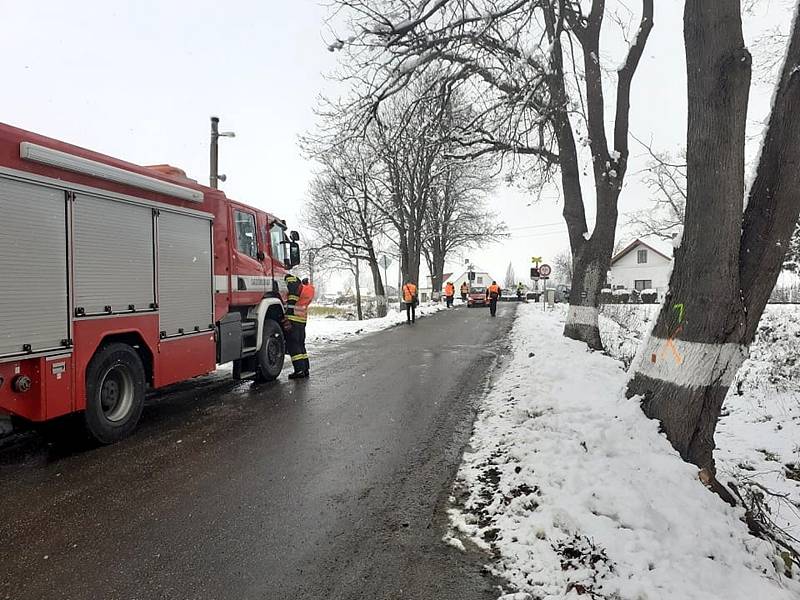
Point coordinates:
pixel 476 297
pixel 118 277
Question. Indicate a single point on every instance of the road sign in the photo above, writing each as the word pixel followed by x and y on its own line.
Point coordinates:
pixel 535 273
pixel 545 270
pixel 385 261
pixel 471 275
pixel 536 260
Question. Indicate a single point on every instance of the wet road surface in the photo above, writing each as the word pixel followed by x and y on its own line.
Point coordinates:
pixel 330 488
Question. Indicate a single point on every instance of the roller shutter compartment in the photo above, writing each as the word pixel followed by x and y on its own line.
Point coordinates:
pixel 113 261
pixel 184 274
pixel 34 313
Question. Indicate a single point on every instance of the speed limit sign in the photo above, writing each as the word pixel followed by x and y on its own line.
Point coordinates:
pixel 545 270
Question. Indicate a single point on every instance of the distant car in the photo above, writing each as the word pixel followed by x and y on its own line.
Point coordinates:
pixel 476 297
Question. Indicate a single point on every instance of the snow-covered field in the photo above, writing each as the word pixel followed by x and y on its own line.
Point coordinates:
pixel 576 493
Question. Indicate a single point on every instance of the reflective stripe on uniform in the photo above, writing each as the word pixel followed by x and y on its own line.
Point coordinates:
pixel 293 297
pixel 296 319
pixel 296 357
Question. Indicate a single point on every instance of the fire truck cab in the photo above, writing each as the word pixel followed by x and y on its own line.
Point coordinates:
pixel 115 278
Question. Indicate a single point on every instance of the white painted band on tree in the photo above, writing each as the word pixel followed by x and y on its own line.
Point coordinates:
pixel 582 315
pixel 690 364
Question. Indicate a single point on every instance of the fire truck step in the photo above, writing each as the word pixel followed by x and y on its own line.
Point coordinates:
pixel 248 351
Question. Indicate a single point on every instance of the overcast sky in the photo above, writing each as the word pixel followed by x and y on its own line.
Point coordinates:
pixel 139 81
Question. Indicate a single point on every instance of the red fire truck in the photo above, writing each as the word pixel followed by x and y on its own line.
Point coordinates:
pixel 115 278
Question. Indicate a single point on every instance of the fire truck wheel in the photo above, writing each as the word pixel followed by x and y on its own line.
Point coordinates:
pixel 272 352
pixel 115 388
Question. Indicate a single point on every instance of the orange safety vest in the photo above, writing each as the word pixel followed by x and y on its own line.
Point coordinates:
pixel 409 291
pixel 301 306
pixel 449 289
pixel 493 290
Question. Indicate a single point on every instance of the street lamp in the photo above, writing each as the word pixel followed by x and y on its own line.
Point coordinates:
pixel 215 135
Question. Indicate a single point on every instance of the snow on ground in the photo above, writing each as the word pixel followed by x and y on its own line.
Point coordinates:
pixel 758 436
pixel 321 331
pixel 576 494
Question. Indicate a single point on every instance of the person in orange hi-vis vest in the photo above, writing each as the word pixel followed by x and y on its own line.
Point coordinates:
pixel 449 292
pixel 464 292
pixel 410 300
pixel 301 293
pixel 492 294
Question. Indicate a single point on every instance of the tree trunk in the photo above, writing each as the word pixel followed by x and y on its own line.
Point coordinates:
pixel 359 311
pixel 590 268
pixel 435 262
pixel 696 345
pixel 774 200
pixel 409 262
pixel 582 316
pixel 591 258
pixel 438 267
pixel 380 291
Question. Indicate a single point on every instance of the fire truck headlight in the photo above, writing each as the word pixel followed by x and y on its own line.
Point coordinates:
pixel 21 384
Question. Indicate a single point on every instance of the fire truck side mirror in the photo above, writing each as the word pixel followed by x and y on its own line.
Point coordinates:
pixel 294 236
pixel 294 254
pixel 260 255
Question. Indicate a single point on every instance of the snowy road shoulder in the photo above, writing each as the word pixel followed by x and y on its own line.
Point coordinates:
pixel 573 490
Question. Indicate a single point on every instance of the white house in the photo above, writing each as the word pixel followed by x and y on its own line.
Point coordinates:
pixel 644 264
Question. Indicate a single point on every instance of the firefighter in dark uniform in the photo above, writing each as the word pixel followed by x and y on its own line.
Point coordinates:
pixel 301 293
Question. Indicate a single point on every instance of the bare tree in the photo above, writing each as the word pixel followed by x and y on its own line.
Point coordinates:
pixel 730 255
pixel 342 208
pixel 345 223
pixel 665 175
pixel 510 57
pixel 409 140
pixel 457 216
pixel 562 267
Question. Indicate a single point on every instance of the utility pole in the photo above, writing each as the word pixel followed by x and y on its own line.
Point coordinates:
pixel 215 176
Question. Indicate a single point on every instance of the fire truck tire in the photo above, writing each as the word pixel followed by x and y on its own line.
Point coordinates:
pixel 272 352
pixel 115 389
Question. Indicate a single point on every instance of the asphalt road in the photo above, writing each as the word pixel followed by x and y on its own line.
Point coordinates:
pixel 330 488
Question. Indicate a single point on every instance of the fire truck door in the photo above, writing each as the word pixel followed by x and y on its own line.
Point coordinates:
pixel 278 251
pixel 249 255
